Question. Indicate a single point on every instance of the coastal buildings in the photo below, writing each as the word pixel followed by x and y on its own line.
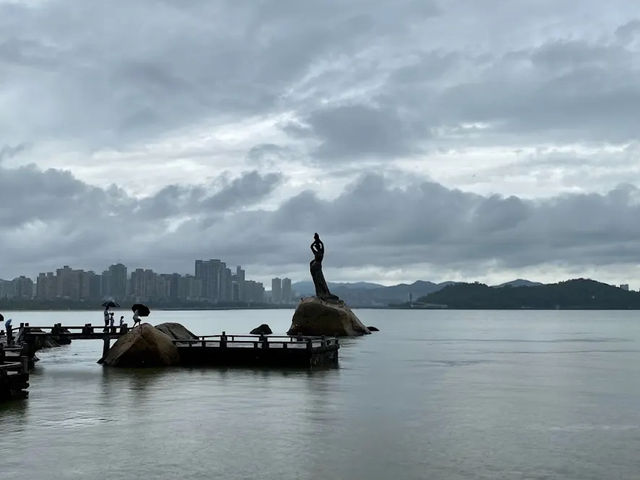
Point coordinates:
pixel 212 283
pixel 281 293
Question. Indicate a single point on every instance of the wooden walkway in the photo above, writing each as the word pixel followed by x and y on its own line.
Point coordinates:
pixel 14 373
pixel 259 350
pixel 224 350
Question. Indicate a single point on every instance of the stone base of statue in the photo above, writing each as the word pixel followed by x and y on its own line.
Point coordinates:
pixel 325 316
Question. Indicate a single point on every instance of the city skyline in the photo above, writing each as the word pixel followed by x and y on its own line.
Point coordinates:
pixel 212 281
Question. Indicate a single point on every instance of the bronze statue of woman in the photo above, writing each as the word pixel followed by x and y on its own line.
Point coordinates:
pixel 322 290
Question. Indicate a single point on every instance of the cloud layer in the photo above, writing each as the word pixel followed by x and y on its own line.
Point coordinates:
pixel 424 139
pixel 51 218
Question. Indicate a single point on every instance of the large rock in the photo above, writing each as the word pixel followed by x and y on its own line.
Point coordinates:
pixel 143 346
pixel 176 331
pixel 315 316
pixel 263 329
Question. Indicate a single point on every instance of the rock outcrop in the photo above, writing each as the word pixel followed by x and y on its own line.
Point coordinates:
pixel 315 316
pixel 263 329
pixel 143 346
pixel 176 331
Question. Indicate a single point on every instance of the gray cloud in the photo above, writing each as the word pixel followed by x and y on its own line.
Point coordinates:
pixel 356 131
pixel 327 93
pixel 371 224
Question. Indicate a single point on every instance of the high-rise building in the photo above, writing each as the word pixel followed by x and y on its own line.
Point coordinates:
pixel 226 285
pixel 89 286
pixel 68 283
pixel 276 290
pixel 41 287
pixel 287 295
pixel 118 281
pixel 209 272
pixel 20 287
pixel 254 291
pixel 189 288
pixel 238 280
pixel 143 284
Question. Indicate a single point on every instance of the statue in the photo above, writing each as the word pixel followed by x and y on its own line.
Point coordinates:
pixel 322 290
pixel 324 313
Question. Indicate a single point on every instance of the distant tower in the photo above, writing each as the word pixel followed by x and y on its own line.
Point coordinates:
pixel 276 290
pixel 286 290
pixel 118 281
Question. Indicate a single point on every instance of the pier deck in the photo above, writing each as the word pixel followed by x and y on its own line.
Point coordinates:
pixel 14 373
pixel 258 350
pixel 221 350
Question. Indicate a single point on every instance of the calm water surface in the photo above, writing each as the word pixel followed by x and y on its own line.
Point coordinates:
pixel 434 395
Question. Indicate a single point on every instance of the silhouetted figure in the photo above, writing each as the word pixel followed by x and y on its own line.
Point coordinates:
pixel 136 319
pixel 9 328
pixel 315 267
pixel 106 319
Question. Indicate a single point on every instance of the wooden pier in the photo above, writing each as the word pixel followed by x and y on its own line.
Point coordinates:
pixel 259 350
pixel 221 350
pixel 14 373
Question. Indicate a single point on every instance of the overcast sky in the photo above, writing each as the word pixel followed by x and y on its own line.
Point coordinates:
pixel 437 140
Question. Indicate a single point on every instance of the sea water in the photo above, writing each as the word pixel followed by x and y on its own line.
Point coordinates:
pixel 435 394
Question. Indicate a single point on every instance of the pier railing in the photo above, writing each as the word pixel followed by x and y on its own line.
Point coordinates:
pixel 259 341
pixel 223 340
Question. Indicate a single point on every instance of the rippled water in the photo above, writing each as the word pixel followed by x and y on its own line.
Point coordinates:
pixel 435 394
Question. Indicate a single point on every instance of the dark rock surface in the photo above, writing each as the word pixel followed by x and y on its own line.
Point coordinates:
pixel 263 329
pixel 373 329
pixel 315 316
pixel 176 331
pixel 143 346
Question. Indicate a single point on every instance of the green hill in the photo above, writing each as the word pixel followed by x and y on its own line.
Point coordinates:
pixel 572 294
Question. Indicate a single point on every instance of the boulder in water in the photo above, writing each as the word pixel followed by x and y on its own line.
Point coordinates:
pixel 143 346
pixel 176 331
pixel 373 329
pixel 263 329
pixel 315 316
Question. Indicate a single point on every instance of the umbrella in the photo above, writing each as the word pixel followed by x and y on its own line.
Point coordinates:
pixel 110 304
pixel 143 310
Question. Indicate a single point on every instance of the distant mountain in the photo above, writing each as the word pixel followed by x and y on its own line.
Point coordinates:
pixel 520 282
pixel 572 294
pixel 364 294
pixel 307 288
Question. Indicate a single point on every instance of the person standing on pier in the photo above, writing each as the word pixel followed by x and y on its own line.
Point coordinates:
pixel 111 320
pixel 121 320
pixel 106 319
pixel 9 328
pixel 136 319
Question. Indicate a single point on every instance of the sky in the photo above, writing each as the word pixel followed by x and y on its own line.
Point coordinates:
pixel 438 140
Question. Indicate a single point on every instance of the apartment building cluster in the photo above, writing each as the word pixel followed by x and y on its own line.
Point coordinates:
pixel 281 292
pixel 213 282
